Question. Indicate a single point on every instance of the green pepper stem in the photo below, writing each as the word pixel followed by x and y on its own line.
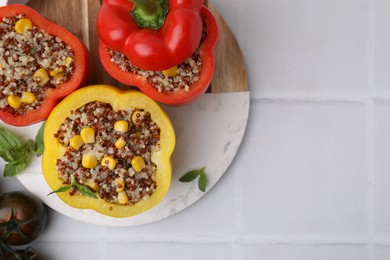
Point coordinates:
pixel 148 6
pixel 150 13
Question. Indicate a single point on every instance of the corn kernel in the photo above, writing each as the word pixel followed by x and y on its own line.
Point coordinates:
pixel 92 184
pixel 42 75
pixel 76 142
pixel 122 198
pixel 22 25
pixel 138 163
pixel 28 97
pixel 109 162
pixel 170 72
pixel 88 135
pixel 89 160
pixel 56 72
pixel 59 75
pixel 14 101
pixel 120 143
pixel 121 126
pixel 68 61
pixel 136 116
pixel 120 184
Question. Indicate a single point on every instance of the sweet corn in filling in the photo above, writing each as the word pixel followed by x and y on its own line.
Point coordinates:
pixel 31 61
pixel 110 152
pixel 174 79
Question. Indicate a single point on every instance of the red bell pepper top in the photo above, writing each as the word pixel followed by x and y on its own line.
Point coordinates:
pixel 206 52
pixel 146 48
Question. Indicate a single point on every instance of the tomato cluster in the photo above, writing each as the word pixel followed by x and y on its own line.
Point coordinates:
pixel 22 219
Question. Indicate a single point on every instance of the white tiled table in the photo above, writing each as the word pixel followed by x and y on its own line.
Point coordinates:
pixel 312 178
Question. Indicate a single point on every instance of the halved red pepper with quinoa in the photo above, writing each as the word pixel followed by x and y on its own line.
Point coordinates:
pixel 165 67
pixel 40 63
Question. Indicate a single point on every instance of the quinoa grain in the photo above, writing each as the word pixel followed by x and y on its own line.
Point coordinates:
pixel 141 140
pixel 187 72
pixel 21 55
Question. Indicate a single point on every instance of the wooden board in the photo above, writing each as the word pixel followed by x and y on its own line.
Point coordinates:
pixel 79 17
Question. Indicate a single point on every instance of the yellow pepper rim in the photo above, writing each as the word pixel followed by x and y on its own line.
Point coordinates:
pixel 119 100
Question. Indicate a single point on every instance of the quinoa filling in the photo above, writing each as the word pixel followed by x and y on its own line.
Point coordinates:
pixel 109 152
pixel 186 73
pixel 31 61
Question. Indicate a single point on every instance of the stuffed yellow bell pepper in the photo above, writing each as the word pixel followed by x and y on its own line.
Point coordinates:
pixel 108 150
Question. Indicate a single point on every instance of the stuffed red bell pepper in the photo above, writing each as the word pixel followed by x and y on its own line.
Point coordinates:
pixel 171 61
pixel 40 63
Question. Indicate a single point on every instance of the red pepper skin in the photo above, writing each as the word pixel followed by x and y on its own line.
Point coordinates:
pixel 53 96
pixel 181 97
pixel 151 49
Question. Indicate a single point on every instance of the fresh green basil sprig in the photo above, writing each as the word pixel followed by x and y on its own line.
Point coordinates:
pixel 17 154
pixel 83 189
pixel 192 175
pixel 39 146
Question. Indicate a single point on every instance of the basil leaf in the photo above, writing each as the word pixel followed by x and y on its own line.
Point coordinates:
pixel 39 146
pixel 61 189
pixel 23 155
pixel 9 145
pixel 85 191
pixel 8 140
pixel 190 176
pixel 9 155
pixel 27 147
pixel 15 167
pixel 81 188
pixel 202 180
pixel 14 152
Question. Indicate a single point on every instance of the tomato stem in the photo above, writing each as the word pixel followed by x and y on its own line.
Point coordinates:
pixel 12 226
pixel 150 13
pixel 5 249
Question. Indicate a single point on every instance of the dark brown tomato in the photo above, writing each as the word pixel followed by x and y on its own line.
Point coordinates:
pixel 22 254
pixel 22 217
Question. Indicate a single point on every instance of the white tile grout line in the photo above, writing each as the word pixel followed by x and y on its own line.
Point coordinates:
pixel 370 129
pixel 309 241
pixel 239 216
pixel 102 244
pixel 283 98
pixel 309 99
pixel 229 240
pixel 383 242
pixel 226 241
pixel 370 179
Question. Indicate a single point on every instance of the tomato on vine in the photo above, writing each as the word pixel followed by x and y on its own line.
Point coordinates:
pixel 22 220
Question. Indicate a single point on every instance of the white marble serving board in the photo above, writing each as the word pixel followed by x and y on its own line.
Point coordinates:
pixel 209 133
